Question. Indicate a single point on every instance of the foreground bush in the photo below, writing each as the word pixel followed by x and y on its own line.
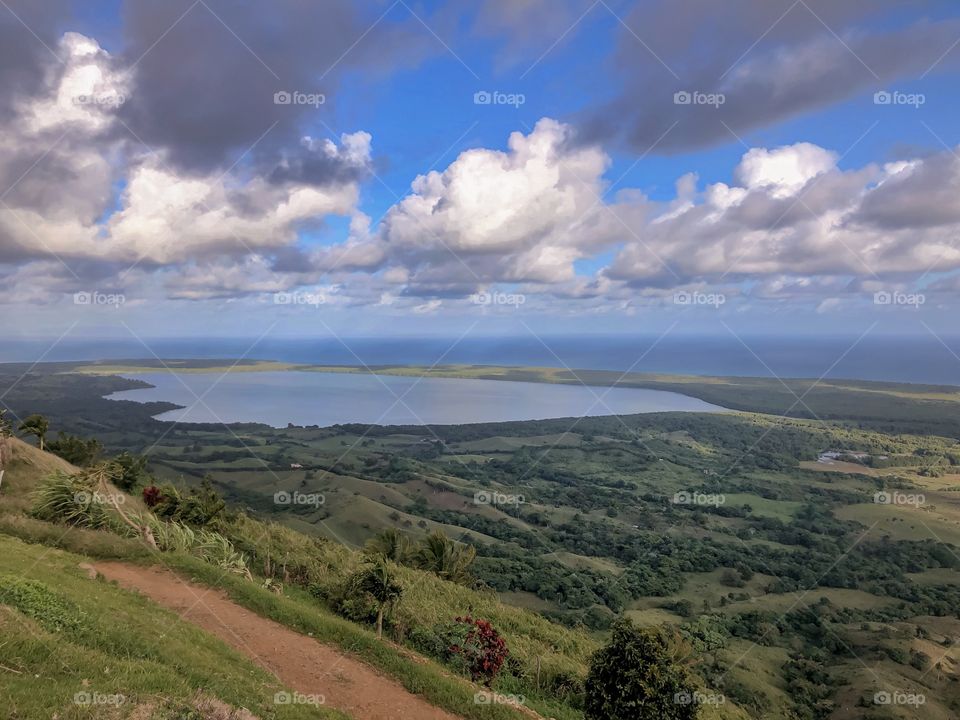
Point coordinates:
pixel 639 675
pixel 481 647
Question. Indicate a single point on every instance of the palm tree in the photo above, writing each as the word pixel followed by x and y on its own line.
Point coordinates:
pixel 392 545
pixel 446 558
pixel 36 425
pixel 377 580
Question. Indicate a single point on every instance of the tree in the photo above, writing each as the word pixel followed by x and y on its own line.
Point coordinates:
pixel 128 470
pixel 444 557
pixel 197 506
pixel 36 425
pixel 377 580
pixel 392 545
pixel 6 429
pixel 640 675
pixel 75 450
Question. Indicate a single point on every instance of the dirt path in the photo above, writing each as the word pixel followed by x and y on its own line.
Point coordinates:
pixel 300 663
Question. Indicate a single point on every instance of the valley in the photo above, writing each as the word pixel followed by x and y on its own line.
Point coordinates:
pixel 729 527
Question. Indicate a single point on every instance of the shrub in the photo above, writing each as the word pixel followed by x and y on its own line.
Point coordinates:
pixel 151 496
pixel 128 470
pixel 639 676
pixel 195 507
pixel 430 641
pixel 481 647
pixel 919 660
pixel 75 450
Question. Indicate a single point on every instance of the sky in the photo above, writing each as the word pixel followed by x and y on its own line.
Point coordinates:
pixel 220 168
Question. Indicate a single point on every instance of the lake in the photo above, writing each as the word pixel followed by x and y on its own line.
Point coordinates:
pixel 317 398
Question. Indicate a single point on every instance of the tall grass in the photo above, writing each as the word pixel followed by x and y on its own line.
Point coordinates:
pixel 70 499
pixel 78 500
pixel 209 546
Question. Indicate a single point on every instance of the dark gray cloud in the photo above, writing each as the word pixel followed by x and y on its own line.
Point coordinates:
pixel 206 77
pixel 312 166
pixel 770 59
pixel 923 197
pixel 531 28
pixel 29 32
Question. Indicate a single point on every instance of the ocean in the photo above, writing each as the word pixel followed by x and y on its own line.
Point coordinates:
pixel 915 359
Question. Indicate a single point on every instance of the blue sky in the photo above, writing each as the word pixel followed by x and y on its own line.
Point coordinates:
pixel 800 200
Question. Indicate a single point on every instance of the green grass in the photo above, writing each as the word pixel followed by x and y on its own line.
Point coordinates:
pixel 764 507
pixel 426 601
pixel 421 676
pixel 902 522
pixel 62 633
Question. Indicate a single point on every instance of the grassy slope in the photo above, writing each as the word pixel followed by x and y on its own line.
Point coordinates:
pixel 426 594
pixel 123 644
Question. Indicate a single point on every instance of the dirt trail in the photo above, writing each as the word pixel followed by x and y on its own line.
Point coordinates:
pixel 300 662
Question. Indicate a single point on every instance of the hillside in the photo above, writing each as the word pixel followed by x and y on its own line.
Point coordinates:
pixel 86 618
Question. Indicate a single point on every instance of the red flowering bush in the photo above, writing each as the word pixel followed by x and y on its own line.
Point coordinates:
pixel 152 496
pixel 481 648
